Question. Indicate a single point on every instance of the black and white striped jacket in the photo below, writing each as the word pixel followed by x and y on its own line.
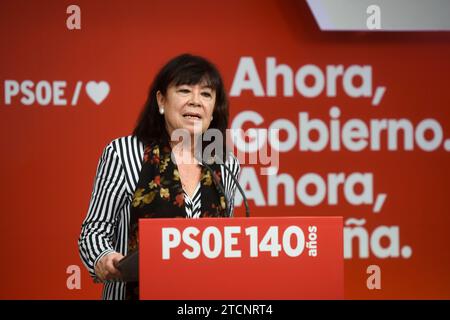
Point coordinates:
pixel 105 228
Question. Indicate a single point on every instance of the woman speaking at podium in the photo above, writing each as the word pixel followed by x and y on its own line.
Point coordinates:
pixel 155 174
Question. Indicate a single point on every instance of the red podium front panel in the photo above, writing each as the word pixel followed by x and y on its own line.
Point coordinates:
pixel 241 258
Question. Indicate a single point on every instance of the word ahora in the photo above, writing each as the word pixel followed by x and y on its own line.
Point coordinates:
pixel 248 78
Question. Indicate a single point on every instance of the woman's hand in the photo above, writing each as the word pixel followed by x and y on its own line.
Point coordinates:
pixel 106 267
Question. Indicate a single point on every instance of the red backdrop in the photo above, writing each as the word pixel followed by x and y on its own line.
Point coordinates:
pixel 50 151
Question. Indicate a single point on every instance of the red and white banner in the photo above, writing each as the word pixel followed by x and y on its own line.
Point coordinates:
pixel 363 119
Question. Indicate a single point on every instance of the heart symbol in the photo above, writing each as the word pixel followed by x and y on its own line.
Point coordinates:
pixel 97 91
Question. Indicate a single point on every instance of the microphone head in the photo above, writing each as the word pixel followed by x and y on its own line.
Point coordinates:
pixel 209 160
pixel 205 160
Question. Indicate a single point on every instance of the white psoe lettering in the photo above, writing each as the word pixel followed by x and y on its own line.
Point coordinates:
pixel 230 242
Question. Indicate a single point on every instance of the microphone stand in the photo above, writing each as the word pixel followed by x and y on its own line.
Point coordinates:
pixel 219 184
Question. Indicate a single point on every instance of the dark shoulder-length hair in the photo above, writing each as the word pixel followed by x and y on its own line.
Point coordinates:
pixel 183 69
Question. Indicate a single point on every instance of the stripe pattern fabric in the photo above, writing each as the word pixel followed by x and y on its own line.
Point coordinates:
pixel 193 206
pixel 105 228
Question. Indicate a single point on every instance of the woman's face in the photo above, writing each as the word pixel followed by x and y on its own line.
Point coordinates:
pixel 187 107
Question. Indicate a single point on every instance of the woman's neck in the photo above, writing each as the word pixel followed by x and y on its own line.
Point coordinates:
pixel 183 152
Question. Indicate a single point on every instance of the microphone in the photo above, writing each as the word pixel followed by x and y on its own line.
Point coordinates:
pixel 218 183
pixel 247 209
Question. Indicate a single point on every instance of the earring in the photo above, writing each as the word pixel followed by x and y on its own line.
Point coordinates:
pixel 211 118
pixel 161 110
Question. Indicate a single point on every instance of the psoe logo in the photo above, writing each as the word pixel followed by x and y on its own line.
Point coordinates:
pixel 57 93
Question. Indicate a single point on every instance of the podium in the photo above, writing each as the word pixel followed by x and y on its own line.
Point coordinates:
pixel 285 258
